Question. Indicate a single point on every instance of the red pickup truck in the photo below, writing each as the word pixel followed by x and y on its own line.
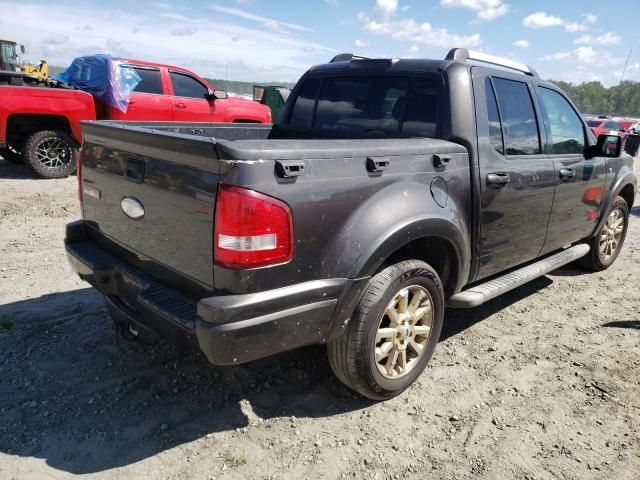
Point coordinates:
pixel 40 126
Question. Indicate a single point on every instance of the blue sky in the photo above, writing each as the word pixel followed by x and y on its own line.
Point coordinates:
pixel 264 40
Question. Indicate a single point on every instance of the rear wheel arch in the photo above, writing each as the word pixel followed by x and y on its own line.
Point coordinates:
pixel 21 126
pixel 628 194
pixel 435 241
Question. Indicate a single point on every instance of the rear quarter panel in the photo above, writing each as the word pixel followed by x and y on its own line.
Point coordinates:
pixel 347 220
pixel 73 105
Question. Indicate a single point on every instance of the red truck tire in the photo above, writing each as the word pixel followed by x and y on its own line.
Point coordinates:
pixel 50 154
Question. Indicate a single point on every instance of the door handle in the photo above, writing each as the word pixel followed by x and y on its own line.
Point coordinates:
pixel 567 174
pixel 498 180
pixel 180 105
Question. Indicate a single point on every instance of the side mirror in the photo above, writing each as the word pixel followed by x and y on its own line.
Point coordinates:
pixel 215 95
pixel 22 49
pixel 608 146
pixel 220 94
pixel 622 130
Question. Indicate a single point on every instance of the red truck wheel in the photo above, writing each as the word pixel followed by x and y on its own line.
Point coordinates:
pixel 50 154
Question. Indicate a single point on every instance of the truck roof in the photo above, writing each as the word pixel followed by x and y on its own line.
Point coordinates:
pixel 456 56
pixel 144 63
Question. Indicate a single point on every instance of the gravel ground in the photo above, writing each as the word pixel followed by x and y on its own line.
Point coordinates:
pixel 541 383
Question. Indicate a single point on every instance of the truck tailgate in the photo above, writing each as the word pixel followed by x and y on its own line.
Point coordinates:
pixel 172 180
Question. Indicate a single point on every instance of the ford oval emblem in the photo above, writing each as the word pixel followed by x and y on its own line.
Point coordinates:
pixel 132 208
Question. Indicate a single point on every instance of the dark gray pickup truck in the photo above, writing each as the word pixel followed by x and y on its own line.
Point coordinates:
pixel 387 190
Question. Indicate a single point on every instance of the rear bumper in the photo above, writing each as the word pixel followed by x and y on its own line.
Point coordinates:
pixel 227 329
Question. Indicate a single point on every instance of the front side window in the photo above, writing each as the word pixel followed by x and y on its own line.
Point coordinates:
pixel 518 117
pixel 567 132
pixel 186 86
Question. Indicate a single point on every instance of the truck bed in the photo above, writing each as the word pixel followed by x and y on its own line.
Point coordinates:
pixel 337 201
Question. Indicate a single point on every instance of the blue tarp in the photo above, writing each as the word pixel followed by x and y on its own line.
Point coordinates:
pixel 103 76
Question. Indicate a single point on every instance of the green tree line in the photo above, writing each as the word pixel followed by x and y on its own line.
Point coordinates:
pixel 595 99
pixel 242 88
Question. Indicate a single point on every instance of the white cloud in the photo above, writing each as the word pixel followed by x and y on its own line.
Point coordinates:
pixel 544 20
pixel 267 22
pixel 387 8
pixel 575 27
pixel 251 53
pixel 608 38
pixel 584 56
pixel 408 30
pixel 361 43
pixel 183 31
pixel 541 20
pixel 486 10
pixel 521 44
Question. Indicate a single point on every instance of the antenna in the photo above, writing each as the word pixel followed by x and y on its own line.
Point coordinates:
pixel 626 62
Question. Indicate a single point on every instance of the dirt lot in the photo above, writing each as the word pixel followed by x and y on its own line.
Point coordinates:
pixel 542 383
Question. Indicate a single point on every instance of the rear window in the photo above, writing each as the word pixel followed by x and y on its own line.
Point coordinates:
pixel 368 105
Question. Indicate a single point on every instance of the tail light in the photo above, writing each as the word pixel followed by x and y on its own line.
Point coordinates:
pixel 79 162
pixel 252 229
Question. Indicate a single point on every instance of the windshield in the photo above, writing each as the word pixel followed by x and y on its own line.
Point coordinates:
pixel 397 106
pixel 8 52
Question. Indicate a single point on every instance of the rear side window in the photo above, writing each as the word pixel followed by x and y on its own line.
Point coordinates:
pixel 594 123
pixel 495 129
pixel 518 117
pixel 186 86
pixel 368 105
pixel 151 82
pixel 567 132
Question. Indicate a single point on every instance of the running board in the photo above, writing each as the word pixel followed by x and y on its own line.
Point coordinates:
pixel 486 291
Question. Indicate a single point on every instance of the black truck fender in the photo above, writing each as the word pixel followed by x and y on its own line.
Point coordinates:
pixel 623 184
pixel 396 216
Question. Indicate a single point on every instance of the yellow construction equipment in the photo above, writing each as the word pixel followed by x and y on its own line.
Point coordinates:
pixel 9 62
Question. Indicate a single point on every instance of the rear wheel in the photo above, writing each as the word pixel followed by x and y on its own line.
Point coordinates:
pixel 10 154
pixel 393 332
pixel 50 154
pixel 606 245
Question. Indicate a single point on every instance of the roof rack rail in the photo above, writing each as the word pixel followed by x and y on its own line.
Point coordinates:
pixel 462 55
pixel 347 57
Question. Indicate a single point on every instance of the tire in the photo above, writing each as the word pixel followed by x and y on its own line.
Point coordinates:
pixel 370 331
pixel 50 154
pixel 12 155
pixel 599 259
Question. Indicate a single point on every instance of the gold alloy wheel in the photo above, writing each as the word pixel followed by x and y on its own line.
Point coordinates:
pixel 611 234
pixel 404 331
